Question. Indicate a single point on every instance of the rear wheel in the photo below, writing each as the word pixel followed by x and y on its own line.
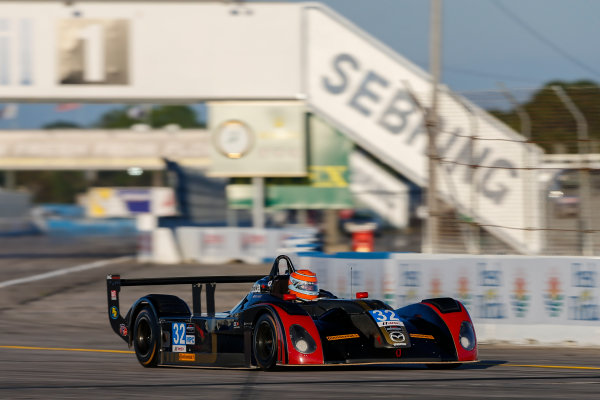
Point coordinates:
pixel 146 338
pixel 264 342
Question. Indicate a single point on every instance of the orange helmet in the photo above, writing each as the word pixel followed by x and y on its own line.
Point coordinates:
pixel 303 283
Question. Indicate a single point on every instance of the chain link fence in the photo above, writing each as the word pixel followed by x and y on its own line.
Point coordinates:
pixel 556 172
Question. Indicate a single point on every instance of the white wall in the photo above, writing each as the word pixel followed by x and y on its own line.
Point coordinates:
pixel 514 299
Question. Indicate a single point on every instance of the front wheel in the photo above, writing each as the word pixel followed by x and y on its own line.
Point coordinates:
pixel 264 342
pixel 146 338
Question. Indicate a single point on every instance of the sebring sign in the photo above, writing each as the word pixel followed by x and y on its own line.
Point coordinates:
pixel 397 113
pixel 366 90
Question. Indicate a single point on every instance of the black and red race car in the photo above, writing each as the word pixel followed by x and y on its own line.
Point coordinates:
pixel 271 327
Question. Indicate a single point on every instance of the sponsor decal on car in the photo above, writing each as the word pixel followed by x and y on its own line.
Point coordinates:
pixel 123 330
pixel 386 318
pixel 389 323
pixel 255 288
pixel 114 312
pixel 187 357
pixel 420 336
pixel 113 294
pixel 397 336
pixel 190 339
pixel 178 349
pixel 341 337
pixel 391 326
pixel 178 336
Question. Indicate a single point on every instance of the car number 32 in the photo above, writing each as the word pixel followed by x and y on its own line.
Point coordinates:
pixel 178 334
pixel 381 316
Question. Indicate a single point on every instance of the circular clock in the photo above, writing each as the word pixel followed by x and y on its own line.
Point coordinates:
pixel 233 138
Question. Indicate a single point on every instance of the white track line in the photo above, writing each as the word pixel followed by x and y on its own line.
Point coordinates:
pixel 63 271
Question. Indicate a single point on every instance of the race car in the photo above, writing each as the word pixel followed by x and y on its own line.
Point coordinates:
pixel 285 320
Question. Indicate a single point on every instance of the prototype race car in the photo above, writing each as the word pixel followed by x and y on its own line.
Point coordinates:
pixel 271 326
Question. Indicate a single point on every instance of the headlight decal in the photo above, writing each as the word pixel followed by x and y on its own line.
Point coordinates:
pixel 301 340
pixel 467 336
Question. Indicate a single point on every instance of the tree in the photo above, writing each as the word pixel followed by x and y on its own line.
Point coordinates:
pixel 552 125
pixel 115 119
pixel 156 117
pixel 53 186
pixel 60 124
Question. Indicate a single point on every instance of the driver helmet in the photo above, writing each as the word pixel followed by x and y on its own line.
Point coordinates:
pixel 303 283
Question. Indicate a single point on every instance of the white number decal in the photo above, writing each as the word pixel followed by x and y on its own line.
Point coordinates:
pixel 178 333
pixel 379 315
pixel 391 315
pixel 385 315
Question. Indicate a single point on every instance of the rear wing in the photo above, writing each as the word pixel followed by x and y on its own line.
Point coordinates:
pixel 114 284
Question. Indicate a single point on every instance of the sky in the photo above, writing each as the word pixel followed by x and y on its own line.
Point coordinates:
pixel 522 44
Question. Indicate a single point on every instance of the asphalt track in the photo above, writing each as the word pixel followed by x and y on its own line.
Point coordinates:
pixel 55 342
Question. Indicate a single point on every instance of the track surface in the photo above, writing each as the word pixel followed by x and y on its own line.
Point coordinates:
pixel 55 342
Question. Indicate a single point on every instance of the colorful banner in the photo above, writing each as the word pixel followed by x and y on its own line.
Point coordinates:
pixel 127 202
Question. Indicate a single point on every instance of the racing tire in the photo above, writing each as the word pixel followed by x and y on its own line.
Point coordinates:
pixel 146 334
pixel 450 365
pixel 264 342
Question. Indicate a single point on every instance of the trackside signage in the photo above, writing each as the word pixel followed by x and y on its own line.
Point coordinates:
pixel 514 298
pixel 361 87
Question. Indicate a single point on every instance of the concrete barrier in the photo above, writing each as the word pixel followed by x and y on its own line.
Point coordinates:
pixel 165 249
pixel 250 245
pixel 145 224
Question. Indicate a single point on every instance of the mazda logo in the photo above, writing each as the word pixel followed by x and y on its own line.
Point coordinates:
pixel 397 336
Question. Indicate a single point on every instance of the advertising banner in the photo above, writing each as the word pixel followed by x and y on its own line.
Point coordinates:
pixel 514 298
pixel 227 244
pixel 127 202
pixel 116 149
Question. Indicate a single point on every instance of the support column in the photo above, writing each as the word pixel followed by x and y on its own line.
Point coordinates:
pixel 435 60
pixel 258 202
pixel 10 179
